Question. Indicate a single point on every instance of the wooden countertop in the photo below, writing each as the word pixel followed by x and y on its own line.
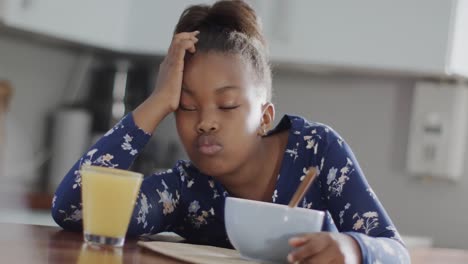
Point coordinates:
pixel 21 243
pixel 44 244
pixel 25 243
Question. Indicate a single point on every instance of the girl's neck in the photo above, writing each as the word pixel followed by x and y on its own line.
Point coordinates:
pixel 262 170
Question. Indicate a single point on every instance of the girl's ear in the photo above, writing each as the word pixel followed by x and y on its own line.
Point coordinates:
pixel 268 116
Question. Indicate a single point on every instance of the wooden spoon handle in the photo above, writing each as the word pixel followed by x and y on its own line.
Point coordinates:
pixel 303 187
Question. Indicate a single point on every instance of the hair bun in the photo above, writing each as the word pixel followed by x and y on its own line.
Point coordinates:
pixel 224 15
pixel 235 15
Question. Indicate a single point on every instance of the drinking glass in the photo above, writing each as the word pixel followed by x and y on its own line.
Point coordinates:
pixel 108 200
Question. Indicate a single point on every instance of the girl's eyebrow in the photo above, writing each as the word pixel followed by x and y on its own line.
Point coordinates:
pixel 218 90
pixel 226 88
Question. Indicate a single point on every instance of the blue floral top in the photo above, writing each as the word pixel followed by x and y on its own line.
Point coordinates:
pixel 185 201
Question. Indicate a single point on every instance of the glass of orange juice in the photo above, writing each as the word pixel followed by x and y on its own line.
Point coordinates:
pixel 108 196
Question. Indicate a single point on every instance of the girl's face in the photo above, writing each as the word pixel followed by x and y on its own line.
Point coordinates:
pixel 220 112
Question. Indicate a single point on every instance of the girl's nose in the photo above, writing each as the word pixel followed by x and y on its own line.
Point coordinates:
pixel 207 126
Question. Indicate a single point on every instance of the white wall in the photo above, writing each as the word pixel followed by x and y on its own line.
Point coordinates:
pixel 372 114
pixel 39 75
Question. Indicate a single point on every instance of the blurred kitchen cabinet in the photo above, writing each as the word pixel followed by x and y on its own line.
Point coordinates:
pixel 151 24
pixel 98 23
pixel 143 26
pixel 417 37
pixel 421 37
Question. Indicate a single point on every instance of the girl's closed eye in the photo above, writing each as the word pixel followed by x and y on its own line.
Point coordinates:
pixel 228 107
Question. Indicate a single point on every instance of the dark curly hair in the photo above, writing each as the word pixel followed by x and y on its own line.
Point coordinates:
pixel 230 26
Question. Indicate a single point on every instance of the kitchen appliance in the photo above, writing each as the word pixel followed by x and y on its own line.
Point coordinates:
pixel 116 88
pixel 71 138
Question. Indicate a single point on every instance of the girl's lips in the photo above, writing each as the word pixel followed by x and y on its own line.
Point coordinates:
pixel 208 145
pixel 210 149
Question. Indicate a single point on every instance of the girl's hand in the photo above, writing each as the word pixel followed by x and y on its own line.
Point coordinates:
pixel 166 95
pixel 324 247
pixel 169 83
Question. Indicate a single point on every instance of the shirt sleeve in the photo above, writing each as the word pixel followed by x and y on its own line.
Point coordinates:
pixel 118 148
pixel 355 208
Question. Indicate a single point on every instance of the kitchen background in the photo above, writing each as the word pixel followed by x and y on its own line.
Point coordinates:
pixel 358 66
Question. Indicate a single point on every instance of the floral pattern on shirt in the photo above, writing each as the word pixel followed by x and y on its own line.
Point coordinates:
pixel 367 221
pixel 73 214
pixel 313 141
pixel 215 191
pixel 198 218
pixel 274 196
pixel 306 204
pixel 336 185
pixel 293 152
pixel 167 200
pixel 144 210
pixel 128 146
pixel 342 212
pixel 53 200
pixel 190 203
pixel 117 126
pixel 371 193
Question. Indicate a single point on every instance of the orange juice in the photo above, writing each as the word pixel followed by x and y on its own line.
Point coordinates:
pixel 108 197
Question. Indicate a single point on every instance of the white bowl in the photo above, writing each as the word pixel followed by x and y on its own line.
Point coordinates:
pixel 260 230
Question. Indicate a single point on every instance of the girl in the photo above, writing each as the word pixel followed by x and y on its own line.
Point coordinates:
pixel 217 80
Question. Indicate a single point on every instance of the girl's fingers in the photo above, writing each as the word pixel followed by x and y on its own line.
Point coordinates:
pixel 177 51
pixel 182 45
pixel 191 49
pixel 307 246
pixel 297 241
pixel 185 35
pixel 325 256
pixel 302 253
pixel 179 39
pixel 175 57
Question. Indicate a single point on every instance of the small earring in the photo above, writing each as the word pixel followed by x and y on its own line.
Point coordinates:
pixel 263 131
pixel 260 133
